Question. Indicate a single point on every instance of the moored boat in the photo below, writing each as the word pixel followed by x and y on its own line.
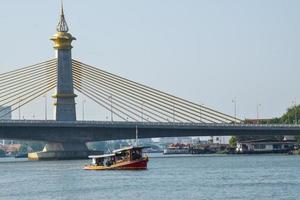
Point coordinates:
pixel 177 149
pixel 129 158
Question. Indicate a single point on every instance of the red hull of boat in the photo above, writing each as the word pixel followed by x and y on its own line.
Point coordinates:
pixel 129 165
pixel 142 164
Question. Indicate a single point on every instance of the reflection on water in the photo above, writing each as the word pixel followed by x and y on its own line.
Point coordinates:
pixel 192 177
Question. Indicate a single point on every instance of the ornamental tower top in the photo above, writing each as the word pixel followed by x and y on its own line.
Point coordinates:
pixel 62 39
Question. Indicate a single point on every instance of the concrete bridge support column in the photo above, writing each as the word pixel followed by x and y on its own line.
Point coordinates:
pixel 62 151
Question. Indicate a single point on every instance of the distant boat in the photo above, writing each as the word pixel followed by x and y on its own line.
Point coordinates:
pixel 129 158
pixel 177 148
pixel 21 155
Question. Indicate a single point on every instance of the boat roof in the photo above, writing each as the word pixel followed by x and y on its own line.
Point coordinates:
pixel 128 148
pixel 101 156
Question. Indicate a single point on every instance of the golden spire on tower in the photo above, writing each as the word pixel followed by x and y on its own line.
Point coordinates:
pixel 62 39
pixel 62 25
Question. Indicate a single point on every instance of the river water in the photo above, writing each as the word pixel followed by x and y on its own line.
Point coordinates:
pixel 212 177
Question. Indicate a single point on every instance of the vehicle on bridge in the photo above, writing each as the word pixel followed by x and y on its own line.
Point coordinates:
pixel 129 158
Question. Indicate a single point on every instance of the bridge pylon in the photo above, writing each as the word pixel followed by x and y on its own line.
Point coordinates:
pixel 64 94
pixel 64 98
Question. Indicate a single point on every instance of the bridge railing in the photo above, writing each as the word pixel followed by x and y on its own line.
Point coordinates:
pixel 130 123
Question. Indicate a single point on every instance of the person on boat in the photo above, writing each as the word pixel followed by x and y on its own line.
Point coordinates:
pixel 136 155
pixel 98 162
pixel 110 161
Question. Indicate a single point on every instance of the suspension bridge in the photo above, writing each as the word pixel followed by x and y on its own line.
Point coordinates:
pixel 135 106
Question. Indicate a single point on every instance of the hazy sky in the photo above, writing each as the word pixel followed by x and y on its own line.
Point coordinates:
pixel 205 51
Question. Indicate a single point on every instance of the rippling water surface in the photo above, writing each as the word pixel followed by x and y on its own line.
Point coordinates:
pixel 201 177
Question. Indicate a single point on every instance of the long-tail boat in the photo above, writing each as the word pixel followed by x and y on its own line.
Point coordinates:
pixel 129 158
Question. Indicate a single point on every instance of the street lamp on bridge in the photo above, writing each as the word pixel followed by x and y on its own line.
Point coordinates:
pixel 45 106
pixel 294 102
pixel 111 108
pixel 142 111
pixel 234 102
pixel 257 112
pixel 200 112
pixel 83 102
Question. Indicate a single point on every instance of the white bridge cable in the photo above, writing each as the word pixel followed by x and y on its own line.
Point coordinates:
pixel 153 103
pixel 19 81
pixel 166 111
pixel 116 102
pixel 165 104
pixel 26 88
pixel 124 94
pixel 95 99
pixel 117 96
pixel 141 96
pixel 26 93
pixel 26 70
pixel 31 93
pixel 128 92
pixel 21 85
pixel 167 97
pixel 103 99
pixel 127 103
pixel 36 95
pixel 34 80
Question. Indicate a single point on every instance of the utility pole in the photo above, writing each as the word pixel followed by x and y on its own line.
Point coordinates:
pixel 200 114
pixel 234 101
pixel 19 109
pixel 142 112
pixel 200 111
pixel 295 109
pixel 45 96
pixel 257 108
pixel 111 108
pixel 83 102
pixel 136 136
pixel 173 112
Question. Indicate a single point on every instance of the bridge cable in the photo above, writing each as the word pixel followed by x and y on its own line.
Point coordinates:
pixel 165 95
pixel 26 83
pixel 105 100
pixel 147 99
pixel 112 90
pixel 96 88
pixel 33 97
pixel 155 103
pixel 155 98
pixel 25 88
pixel 20 72
pixel 143 100
pixel 30 91
pixel 92 97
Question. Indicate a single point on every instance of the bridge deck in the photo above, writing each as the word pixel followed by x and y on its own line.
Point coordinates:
pixel 84 131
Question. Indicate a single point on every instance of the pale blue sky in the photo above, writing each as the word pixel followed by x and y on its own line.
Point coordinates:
pixel 204 51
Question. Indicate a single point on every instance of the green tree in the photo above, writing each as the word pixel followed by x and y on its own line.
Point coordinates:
pixel 2 153
pixel 291 116
pixel 233 141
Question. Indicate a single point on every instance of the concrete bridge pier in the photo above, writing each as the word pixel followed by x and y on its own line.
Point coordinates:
pixel 63 151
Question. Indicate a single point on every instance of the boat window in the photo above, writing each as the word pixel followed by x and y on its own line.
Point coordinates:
pixel 276 146
pixel 97 161
pixel 123 155
pixel 259 146
pixel 136 154
pixel 110 161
